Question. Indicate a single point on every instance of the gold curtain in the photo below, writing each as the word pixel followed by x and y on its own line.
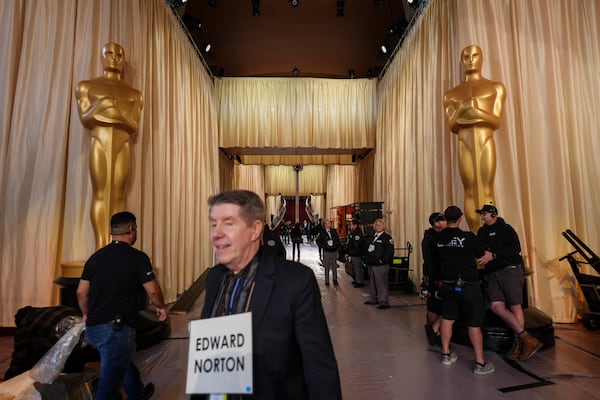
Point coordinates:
pixel 342 182
pixel 45 191
pixel 296 113
pixel 282 179
pixel 547 54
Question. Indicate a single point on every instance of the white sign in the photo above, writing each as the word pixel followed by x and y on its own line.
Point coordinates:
pixel 220 355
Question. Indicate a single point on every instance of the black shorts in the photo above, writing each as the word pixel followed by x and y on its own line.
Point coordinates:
pixel 467 304
pixel 506 285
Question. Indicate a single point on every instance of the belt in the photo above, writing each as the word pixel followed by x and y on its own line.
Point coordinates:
pixel 454 281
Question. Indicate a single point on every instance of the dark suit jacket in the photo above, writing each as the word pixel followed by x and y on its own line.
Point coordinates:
pixel 293 354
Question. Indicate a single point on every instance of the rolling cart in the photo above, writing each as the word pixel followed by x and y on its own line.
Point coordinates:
pixel 398 278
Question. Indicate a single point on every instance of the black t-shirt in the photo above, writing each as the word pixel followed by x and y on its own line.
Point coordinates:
pixel 455 254
pixel 116 274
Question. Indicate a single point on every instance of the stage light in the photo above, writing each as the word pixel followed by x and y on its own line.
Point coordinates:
pixel 256 8
pixel 369 73
pixel 212 3
pixel 413 3
pixel 351 73
pixel 384 49
pixel 340 7
pixel 294 3
pixel 296 71
pixel 206 48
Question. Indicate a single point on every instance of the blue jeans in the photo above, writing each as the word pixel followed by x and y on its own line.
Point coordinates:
pixel 116 368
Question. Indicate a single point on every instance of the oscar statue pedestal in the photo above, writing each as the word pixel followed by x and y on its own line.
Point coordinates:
pixel 68 282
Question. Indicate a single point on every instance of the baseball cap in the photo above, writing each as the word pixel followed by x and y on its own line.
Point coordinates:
pixel 487 208
pixel 452 213
pixel 435 217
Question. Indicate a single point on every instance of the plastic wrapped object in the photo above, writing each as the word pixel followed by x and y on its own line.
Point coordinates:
pixel 47 369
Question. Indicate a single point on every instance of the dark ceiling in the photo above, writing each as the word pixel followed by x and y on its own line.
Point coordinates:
pixel 310 37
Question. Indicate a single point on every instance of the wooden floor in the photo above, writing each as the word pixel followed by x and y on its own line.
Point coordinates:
pixel 384 354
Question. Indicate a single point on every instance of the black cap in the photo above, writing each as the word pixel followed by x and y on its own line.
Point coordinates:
pixel 435 217
pixel 452 213
pixel 488 208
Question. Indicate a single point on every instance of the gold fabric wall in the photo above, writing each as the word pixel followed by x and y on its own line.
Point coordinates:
pixel 299 112
pixel 546 52
pixel 49 46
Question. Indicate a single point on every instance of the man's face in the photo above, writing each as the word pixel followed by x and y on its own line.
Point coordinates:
pixel 234 240
pixel 328 225
pixel 114 57
pixel 486 218
pixel 472 59
pixel 379 226
pixel 440 225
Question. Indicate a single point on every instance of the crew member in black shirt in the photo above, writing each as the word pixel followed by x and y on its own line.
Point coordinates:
pixel 504 269
pixel 455 254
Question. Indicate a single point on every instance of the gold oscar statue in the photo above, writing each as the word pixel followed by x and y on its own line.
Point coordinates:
pixel 474 112
pixel 111 110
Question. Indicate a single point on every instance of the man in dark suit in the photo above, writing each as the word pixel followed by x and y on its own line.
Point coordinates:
pixel 292 350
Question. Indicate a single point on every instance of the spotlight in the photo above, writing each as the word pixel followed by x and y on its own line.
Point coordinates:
pixel 296 71
pixel 256 8
pixel 340 8
pixel 212 3
pixel 206 49
pixel 369 73
pixel 384 49
pixel 294 3
pixel 351 73
pixel 413 3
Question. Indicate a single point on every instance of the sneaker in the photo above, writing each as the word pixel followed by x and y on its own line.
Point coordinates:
pixel 449 359
pixel 515 350
pixel 486 368
pixel 530 346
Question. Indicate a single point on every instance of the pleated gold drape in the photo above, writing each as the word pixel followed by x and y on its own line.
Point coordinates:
pixel 299 112
pixel 49 46
pixel 547 53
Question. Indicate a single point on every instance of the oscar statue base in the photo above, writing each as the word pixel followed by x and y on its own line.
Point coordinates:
pixel 68 282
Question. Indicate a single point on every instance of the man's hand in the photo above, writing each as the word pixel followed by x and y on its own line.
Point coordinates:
pixel 486 258
pixel 161 313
